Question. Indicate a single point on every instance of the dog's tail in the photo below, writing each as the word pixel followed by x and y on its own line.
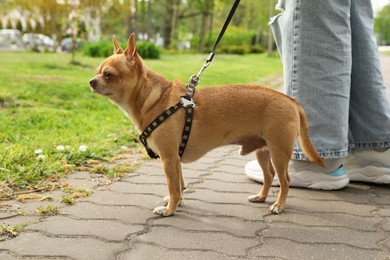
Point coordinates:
pixel 304 140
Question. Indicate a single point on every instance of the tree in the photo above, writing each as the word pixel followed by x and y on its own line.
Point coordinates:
pixel 382 25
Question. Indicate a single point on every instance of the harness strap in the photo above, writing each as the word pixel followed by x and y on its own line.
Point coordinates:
pixel 183 103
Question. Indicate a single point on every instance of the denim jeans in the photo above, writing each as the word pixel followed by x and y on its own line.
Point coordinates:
pixel 332 68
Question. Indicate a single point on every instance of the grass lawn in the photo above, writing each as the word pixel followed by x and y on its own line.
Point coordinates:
pixel 51 123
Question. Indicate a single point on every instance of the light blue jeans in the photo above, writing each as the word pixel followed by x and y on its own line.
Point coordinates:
pixel 332 68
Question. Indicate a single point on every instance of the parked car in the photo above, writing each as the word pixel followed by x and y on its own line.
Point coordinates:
pixel 66 44
pixel 38 42
pixel 11 40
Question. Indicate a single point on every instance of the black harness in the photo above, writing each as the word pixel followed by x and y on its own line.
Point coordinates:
pixel 186 101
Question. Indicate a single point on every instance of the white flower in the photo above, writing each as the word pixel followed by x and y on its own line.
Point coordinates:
pixel 68 147
pixel 39 151
pixel 125 148
pixel 41 158
pixel 83 148
pixel 60 148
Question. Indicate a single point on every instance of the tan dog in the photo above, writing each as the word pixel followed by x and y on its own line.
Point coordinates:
pixel 259 119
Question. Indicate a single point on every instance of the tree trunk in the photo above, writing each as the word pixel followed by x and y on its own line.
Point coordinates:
pixel 172 8
pixel 131 19
pixel 202 38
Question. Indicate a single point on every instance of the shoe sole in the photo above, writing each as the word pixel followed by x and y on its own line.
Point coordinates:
pixel 372 174
pixel 304 180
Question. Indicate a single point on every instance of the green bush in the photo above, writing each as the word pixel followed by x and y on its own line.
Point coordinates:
pixel 256 49
pixel 98 49
pixel 234 49
pixel 147 50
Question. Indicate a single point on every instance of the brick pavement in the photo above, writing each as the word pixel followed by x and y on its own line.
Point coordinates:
pixel 215 221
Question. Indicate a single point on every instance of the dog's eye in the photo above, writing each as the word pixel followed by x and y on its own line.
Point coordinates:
pixel 107 75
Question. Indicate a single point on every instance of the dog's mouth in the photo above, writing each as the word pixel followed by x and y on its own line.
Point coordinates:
pixel 97 88
pixel 100 92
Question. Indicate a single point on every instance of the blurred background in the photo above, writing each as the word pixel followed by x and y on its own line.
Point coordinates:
pixel 173 25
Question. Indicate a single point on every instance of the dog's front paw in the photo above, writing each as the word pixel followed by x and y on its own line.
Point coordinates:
pixel 162 211
pixel 167 198
pixel 256 199
pixel 276 209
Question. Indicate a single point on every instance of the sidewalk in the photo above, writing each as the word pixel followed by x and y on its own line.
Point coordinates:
pixel 215 222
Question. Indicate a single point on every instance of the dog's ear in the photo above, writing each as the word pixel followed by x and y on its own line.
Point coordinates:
pixel 131 50
pixel 117 48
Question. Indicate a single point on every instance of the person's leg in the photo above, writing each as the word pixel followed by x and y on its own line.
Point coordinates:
pixel 369 106
pixel 314 41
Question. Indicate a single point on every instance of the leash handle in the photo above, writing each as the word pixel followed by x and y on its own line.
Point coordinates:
pixel 194 79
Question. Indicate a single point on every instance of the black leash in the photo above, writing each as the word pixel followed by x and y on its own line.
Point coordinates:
pixel 186 101
pixel 194 79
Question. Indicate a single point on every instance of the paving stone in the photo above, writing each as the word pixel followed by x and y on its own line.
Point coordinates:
pixel 237 227
pixel 19 220
pixel 83 179
pixel 121 199
pixel 212 241
pixel 8 256
pixel 324 235
pixel 229 169
pixel 145 178
pixel 191 174
pixel 147 252
pixel 220 197
pixel 286 249
pixel 32 205
pixel 248 212
pixel 237 161
pixel 384 211
pixel 131 188
pixel 222 176
pixel 346 195
pixel 386 225
pixel 216 185
pixel 383 199
pixel 36 244
pixel 329 206
pixel 150 169
pixel 386 244
pixel 105 229
pixel 326 220
pixel 127 214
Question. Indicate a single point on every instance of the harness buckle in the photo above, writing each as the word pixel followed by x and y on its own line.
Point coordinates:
pixel 187 102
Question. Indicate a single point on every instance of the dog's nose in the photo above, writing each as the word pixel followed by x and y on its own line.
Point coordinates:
pixel 93 82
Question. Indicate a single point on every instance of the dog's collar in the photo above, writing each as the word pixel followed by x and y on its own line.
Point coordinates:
pixel 186 103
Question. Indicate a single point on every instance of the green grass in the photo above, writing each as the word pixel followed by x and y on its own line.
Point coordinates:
pixel 45 102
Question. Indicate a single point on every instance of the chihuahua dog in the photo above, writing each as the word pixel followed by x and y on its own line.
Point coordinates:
pixel 259 119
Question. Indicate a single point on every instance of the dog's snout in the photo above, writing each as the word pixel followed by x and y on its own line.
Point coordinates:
pixel 93 82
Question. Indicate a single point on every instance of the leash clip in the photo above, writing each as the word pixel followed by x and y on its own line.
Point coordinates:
pixel 187 102
pixel 192 83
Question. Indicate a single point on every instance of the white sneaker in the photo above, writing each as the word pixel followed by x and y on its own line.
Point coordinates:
pixel 369 166
pixel 305 174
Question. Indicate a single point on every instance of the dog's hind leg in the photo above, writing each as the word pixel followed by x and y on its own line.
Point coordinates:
pixel 264 159
pixel 280 159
